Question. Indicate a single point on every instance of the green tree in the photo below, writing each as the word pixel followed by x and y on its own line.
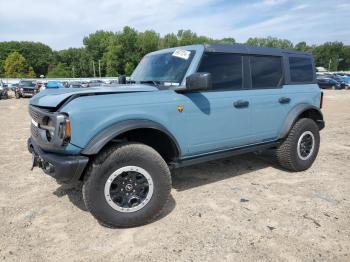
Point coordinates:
pixel 129 68
pixel 329 55
pixel 97 45
pixel 227 40
pixel 169 40
pixel 16 66
pixel 59 70
pixel 37 55
pixel 148 41
pixel 110 59
pixel 77 59
pixel 124 47
pixel 31 72
pixel 270 42
pixel 187 37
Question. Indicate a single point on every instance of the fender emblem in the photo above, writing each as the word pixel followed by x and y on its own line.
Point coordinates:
pixel 180 108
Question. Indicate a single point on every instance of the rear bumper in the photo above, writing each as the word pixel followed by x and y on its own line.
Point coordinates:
pixel 65 168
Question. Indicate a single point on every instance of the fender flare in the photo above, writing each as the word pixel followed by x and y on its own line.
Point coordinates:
pixel 294 114
pixel 107 134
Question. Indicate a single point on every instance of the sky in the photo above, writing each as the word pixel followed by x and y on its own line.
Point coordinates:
pixel 64 23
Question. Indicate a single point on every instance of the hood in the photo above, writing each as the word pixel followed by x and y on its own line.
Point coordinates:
pixel 55 97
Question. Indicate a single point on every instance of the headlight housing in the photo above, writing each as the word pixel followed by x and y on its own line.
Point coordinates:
pixel 57 129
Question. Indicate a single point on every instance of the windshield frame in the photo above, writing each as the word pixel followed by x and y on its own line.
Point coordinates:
pixel 192 68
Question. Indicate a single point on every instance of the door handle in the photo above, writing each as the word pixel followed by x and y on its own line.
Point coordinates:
pixel 284 100
pixel 241 104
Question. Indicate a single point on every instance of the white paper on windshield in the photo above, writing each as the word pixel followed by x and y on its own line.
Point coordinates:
pixel 184 54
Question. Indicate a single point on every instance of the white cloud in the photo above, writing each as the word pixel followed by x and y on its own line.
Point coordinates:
pixel 64 23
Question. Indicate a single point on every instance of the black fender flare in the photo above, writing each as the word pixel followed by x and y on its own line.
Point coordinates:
pixel 107 134
pixel 294 114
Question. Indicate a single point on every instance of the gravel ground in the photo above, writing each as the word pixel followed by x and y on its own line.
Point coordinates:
pixel 238 209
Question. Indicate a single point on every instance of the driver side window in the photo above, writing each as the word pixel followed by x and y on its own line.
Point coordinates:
pixel 226 70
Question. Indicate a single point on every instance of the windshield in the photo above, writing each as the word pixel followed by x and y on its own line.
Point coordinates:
pixel 166 67
pixel 27 83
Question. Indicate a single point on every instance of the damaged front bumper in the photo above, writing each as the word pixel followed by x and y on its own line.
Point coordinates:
pixel 65 168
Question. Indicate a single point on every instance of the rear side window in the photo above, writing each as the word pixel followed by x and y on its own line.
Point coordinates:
pixel 266 71
pixel 301 69
pixel 226 70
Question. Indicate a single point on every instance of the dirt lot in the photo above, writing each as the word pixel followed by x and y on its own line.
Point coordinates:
pixel 239 209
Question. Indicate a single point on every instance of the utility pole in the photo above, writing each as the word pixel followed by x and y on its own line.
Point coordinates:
pixel 99 68
pixel 329 64
pixel 93 68
pixel 73 72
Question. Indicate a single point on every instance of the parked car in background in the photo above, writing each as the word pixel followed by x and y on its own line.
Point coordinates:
pixel 346 80
pixel 339 79
pixel 76 85
pixel 26 88
pixel 84 84
pixel 54 84
pixel 328 83
pixel 3 91
pixel 94 83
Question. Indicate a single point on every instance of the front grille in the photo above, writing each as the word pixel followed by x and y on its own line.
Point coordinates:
pixel 36 114
pixel 28 90
pixel 35 131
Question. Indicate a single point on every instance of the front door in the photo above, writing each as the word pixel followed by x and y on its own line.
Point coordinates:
pixel 219 119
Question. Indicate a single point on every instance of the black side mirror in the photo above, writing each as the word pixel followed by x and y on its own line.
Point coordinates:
pixel 122 80
pixel 199 82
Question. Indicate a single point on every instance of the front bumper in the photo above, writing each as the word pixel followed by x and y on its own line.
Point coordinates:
pixel 65 168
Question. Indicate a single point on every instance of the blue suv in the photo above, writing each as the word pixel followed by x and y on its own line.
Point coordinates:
pixel 181 106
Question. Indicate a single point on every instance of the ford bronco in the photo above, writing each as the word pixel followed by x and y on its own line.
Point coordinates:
pixel 181 106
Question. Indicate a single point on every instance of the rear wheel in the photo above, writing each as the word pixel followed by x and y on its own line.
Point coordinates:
pixel 127 185
pixel 299 150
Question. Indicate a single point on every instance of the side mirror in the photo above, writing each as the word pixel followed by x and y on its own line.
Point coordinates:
pixel 122 80
pixel 198 82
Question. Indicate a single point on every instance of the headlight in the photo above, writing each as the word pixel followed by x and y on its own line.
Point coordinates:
pixel 58 130
pixel 64 131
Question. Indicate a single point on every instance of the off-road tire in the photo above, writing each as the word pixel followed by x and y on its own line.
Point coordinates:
pixel 112 158
pixel 287 154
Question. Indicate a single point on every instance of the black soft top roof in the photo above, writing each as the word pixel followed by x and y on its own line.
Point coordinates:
pixel 245 49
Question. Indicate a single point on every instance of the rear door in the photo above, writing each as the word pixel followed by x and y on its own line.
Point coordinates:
pixel 270 102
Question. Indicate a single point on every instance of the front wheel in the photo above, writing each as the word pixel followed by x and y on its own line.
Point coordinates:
pixel 299 150
pixel 127 185
pixel 17 95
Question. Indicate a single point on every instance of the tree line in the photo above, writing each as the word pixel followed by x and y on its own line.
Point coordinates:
pixel 109 53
